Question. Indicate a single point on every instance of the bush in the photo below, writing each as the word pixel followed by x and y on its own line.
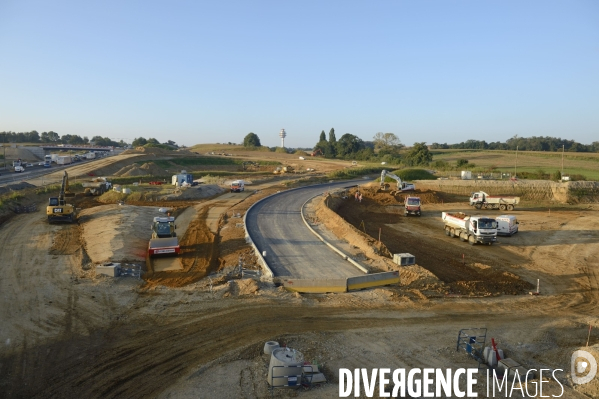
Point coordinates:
pixel 281 150
pixel 415 174
pixel 461 163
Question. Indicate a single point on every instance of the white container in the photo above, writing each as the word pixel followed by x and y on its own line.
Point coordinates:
pixel 126 191
pixel 264 254
pixel 466 175
pixel 285 368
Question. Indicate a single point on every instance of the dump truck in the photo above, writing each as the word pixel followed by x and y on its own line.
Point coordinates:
pixel 164 239
pixel 57 208
pixel 482 200
pixel 97 186
pixel 412 206
pixel 474 229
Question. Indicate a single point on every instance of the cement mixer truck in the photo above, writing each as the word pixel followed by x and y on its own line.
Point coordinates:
pixel 474 229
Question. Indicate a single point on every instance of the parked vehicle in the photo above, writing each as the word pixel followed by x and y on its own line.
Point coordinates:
pixel 474 229
pixel 237 186
pixel 97 186
pixel 507 225
pixel 412 206
pixel 481 200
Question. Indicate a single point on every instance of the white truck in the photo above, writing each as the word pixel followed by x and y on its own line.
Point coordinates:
pixel 64 160
pixel 237 186
pixel 482 200
pixel 507 225
pixel 89 155
pixel 474 229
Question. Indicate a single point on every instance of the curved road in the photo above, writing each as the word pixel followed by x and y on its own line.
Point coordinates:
pixel 276 226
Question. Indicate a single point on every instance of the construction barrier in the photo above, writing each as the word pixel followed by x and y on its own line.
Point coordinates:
pixel 315 286
pixel 372 280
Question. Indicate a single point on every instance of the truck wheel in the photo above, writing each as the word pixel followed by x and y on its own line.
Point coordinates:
pixel 406 214
pixel 419 214
pixel 510 207
pixel 452 233
pixel 478 205
pixel 447 231
pixel 490 243
pixel 471 240
pixel 502 207
pixel 462 238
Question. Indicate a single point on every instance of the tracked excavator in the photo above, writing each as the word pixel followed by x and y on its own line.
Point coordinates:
pixel 58 209
pixel 401 185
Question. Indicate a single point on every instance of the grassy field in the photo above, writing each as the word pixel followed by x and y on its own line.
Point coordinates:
pixel 586 164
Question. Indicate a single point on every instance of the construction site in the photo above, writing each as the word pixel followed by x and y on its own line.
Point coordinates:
pixel 118 281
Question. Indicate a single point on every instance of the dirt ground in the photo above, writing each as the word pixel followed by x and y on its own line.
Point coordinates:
pixel 199 330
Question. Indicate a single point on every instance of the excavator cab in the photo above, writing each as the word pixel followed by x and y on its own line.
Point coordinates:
pixel 57 208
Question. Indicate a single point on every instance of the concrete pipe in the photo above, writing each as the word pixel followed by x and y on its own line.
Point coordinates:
pixel 270 346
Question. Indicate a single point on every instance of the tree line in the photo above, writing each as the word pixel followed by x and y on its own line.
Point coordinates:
pixel 384 147
pixel 533 143
pixel 52 137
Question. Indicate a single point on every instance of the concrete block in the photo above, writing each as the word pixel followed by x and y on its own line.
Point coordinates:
pixel 372 280
pixel 109 269
pixel 315 285
pixel 404 259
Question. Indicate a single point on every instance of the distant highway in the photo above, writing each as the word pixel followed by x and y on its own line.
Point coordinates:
pixel 275 225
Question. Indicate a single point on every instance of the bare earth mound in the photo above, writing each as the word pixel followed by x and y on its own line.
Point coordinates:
pixel 117 233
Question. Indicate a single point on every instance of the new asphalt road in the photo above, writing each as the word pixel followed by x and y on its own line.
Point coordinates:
pixel 276 226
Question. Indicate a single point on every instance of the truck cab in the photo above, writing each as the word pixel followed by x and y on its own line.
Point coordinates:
pixel 237 186
pixel 412 206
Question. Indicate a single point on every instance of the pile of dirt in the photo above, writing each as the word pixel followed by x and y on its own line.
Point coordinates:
pixel 243 287
pixel 117 233
pixel 146 169
pixel 389 197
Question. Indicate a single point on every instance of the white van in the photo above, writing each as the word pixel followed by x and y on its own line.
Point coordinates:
pixel 237 186
pixel 507 225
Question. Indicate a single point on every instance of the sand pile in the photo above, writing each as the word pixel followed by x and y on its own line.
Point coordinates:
pixel 147 169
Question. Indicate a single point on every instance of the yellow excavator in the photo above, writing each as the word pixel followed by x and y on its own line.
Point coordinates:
pixel 58 209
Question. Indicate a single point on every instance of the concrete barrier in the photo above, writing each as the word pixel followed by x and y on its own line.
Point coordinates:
pixel 372 280
pixel 321 238
pixel 314 286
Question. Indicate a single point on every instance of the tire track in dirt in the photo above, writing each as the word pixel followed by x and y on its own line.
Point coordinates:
pixel 112 363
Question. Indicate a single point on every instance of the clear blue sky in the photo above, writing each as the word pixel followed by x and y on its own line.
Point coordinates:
pixel 213 71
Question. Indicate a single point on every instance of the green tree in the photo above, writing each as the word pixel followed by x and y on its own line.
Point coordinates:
pixel 152 140
pixel 138 142
pixel 251 140
pixel 348 145
pixel 419 155
pixel 332 138
pixel 323 137
pixel 386 142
